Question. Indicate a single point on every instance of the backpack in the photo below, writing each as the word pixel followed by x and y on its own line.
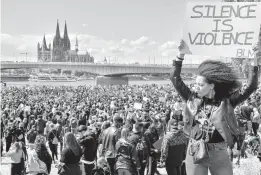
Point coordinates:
pixel 35 164
pixel 125 150
pixel 142 149
pixel 55 140
pixel 20 137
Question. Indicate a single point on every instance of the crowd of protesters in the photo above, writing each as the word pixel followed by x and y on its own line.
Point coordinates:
pixel 103 128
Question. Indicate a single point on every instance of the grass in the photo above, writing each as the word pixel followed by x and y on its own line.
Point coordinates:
pixel 249 166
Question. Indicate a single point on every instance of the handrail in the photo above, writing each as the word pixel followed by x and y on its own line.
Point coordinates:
pixel 97 64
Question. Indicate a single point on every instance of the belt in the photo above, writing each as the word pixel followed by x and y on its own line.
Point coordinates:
pixel 87 162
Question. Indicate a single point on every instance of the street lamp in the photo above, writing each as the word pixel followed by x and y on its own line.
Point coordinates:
pixel 25 53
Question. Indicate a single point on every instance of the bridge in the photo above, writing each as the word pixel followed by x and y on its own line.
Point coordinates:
pixel 115 70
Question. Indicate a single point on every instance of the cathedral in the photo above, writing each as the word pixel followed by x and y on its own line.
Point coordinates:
pixel 61 50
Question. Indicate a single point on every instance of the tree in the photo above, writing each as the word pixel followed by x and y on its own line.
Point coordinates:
pixel 243 63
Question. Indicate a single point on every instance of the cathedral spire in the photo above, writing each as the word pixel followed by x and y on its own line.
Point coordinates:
pixel 44 46
pixel 57 35
pixel 76 45
pixel 66 41
pixel 65 34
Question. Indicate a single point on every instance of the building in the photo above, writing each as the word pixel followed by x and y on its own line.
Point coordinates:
pixel 61 50
pixel 44 54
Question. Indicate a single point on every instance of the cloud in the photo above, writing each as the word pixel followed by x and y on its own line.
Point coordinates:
pixel 84 25
pixel 168 45
pixel 103 50
pixel 138 48
pixel 15 44
pixel 141 40
pixel 152 43
pixel 5 37
pixel 168 48
pixel 170 52
pixel 93 50
pixel 22 47
pixel 124 41
pixel 124 49
pixel 116 49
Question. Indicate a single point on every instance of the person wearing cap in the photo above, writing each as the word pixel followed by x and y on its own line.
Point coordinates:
pixel 108 139
pixel 173 148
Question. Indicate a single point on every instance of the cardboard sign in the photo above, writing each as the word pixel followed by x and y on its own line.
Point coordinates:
pixel 27 108
pixel 18 119
pixel 162 99
pixel 158 144
pixel 229 29
pixel 137 106
pixel 145 99
pixel 112 104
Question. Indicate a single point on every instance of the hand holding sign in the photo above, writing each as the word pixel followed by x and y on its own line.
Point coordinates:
pixel 257 52
pixel 137 106
pixel 183 49
pixel 225 29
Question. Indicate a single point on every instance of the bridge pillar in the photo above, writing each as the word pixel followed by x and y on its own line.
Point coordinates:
pixel 60 71
pixel 106 81
pixel 73 73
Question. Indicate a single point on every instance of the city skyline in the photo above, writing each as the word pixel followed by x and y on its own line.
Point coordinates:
pixel 124 31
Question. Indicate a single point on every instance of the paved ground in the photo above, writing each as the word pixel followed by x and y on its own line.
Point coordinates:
pixel 6 167
pixel 249 166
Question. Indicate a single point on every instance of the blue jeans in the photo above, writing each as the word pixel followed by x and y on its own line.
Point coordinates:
pixel 218 163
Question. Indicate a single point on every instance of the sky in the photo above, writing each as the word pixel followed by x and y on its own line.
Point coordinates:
pixel 124 31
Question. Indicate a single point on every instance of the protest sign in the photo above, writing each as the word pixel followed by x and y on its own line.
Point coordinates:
pixel 137 105
pixel 145 99
pixel 130 98
pixel 27 108
pixel 157 145
pixel 226 29
pixel 112 104
pixel 18 119
pixel 162 99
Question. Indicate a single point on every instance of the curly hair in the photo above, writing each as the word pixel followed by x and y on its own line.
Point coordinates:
pixel 221 75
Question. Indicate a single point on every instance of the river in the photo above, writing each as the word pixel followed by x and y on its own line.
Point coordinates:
pixel 84 82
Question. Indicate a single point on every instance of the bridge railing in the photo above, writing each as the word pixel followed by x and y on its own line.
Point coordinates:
pixel 101 64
